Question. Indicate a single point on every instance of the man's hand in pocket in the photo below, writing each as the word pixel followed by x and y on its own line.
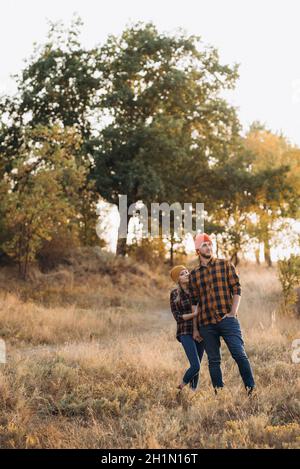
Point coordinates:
pixel 230 315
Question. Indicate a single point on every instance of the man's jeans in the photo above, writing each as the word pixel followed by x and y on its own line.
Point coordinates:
pixel 194 351
pixel 229 329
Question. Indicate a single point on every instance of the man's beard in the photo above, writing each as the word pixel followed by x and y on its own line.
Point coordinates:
pixel 206 256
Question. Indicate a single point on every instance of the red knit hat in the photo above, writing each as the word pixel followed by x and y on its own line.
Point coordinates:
pixel 201 238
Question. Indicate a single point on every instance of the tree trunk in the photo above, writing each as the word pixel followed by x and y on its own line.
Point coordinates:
pixel 121 247
pixel 172 239
pixel 235 258
pixel 172 253
pixel 122 242
pixel 267 252
pixel 257 256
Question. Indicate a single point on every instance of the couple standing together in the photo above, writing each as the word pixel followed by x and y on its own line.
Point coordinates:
pixel 205 305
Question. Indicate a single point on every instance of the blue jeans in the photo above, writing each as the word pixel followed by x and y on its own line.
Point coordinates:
pixel 194 351
pixel 229 329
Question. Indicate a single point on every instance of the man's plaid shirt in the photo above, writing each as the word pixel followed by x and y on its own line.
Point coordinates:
pixel 184 306
pixel 213 286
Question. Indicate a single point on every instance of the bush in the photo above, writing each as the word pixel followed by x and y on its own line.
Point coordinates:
pixel 57 250
pixel 289 277
pixel 151 251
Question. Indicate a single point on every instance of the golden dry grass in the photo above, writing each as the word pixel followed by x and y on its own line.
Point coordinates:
pixel 88 376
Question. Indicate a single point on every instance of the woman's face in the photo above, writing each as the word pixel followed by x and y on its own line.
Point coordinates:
pixel 183 276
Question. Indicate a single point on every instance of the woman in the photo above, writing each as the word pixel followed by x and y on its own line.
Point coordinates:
pixel 182 311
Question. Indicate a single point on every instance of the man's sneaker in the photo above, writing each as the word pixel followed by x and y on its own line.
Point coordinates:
pixel 250 390
pixel 217 389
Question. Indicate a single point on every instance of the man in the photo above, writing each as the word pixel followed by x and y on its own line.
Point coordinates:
pixel 214 285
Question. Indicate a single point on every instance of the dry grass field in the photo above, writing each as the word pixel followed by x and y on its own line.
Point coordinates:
pixel 92 362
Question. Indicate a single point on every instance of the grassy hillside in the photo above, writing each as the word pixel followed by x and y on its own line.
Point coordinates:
pixel 92 361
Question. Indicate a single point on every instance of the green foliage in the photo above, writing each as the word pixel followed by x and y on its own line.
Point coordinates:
pixel 289 276
pixel 60 82
pixel 151 251
pixel 162 93
pixel 275 166
pixel 168 135
pixel 43 192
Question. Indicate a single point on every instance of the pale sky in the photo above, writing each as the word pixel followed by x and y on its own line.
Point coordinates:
pixel 263 36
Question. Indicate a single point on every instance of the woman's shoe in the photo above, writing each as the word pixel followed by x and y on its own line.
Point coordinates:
pixel 181 386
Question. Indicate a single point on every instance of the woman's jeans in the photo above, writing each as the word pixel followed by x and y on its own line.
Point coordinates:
pixel 194 351
pixel 229 329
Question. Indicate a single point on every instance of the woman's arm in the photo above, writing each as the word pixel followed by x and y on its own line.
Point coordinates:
pixel 174 307
pixel 190 315
pixel 176 311
pixel 196 333
pixel 195 314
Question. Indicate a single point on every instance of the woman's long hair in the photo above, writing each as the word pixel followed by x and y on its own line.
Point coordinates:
pixel 178 296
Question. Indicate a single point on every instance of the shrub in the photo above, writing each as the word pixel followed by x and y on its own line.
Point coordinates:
pixel 289 276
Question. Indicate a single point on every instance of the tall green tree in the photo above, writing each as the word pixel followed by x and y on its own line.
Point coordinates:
pixel 59 85
pixel 57 88
pixel 42 193
pixel 275 165
pixel 168 122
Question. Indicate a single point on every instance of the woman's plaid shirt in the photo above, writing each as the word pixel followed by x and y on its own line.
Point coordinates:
pixel 184 306
pixel 213 286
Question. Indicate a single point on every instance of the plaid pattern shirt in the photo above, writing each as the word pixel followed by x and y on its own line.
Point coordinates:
pixel 184 306
pixel 212 287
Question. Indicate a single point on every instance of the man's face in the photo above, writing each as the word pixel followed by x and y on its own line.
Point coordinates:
pixel 205 250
